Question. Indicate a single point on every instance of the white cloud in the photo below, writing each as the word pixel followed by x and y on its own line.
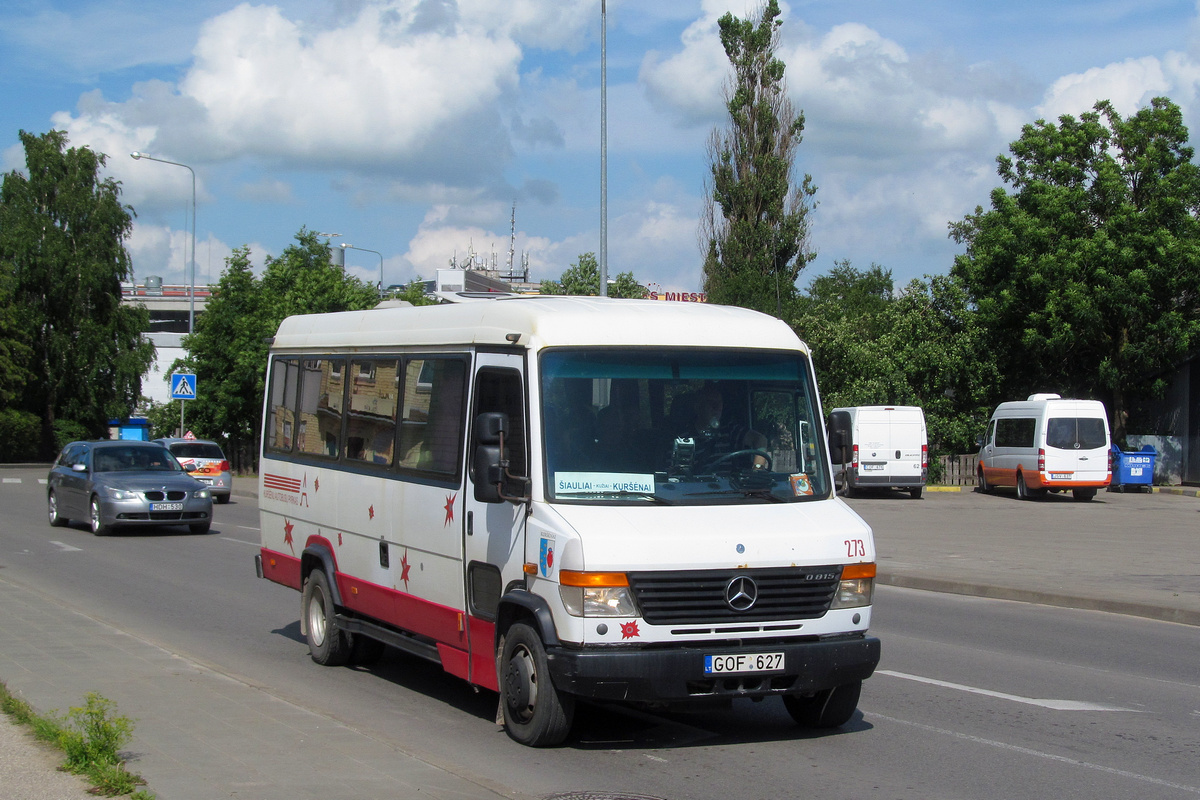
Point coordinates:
pixel 1130 85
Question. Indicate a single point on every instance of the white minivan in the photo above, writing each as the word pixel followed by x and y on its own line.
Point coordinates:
pixel 887 447
pixel 1047 443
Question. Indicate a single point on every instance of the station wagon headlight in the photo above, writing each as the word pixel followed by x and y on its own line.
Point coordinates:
pixel 201 494
pixel 120 494
pixel 855 588
pixel 596 594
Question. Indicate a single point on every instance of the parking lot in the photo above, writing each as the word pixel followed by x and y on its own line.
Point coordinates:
pixel 1129 553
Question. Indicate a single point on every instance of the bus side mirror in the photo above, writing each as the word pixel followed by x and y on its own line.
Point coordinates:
pixel 839 437
pixel 490 466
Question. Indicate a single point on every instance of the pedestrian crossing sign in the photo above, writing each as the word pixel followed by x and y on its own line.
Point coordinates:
pixel 183 386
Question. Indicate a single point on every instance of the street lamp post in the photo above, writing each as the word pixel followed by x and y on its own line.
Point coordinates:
pixel 603 149
pixel 345 246
pixel 136 156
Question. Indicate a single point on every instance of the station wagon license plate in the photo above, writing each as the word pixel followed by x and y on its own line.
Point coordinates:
pixel 166 506
pixel 743 662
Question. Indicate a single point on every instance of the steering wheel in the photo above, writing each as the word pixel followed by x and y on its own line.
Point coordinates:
pixel 712 465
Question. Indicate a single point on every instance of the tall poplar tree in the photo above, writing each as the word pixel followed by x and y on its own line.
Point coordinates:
pixel 62 241
pixel 756 244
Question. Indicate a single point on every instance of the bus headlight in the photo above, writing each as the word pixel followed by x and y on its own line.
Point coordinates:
pixel 596 594
pixel 855 588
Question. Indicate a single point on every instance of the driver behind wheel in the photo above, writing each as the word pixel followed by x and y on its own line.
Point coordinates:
pixel 702 425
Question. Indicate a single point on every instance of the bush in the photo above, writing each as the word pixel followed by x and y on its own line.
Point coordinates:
pixel 19 434
pixel 67 431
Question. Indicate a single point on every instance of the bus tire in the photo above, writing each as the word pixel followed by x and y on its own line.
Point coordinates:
pixel 830 708
pixel 535 714
pixel 1022 490
pixel 327 643
pixel 1083 495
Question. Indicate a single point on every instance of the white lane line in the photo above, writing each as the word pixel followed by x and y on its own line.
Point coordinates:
pixel 67 548
pixel 42 481
pixel 1038 753
pixel 246 527
pixel 240 541
pixel 1055 705
pixel 12 480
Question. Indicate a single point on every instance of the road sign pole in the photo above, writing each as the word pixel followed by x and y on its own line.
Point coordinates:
pixel 181 426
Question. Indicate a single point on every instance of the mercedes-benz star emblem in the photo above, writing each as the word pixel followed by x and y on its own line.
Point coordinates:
pixel 740 593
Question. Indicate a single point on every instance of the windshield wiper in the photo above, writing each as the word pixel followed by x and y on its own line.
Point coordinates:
pixel 659 499
pixel 764 493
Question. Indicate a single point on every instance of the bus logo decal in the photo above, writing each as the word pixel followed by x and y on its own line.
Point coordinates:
pixel 450 498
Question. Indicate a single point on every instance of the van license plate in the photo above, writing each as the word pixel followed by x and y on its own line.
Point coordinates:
pixel 1060 476
pixel 743 662
pixel 166 506
pixel 873 467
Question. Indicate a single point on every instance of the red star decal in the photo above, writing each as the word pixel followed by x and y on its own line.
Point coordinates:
pixel 339 538
pixel 287 534
pixel 404 568
pixel 316 484
pixel 371 512
pixel 449 509
pixel 629 630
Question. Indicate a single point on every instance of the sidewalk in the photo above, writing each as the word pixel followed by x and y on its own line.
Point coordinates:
pixel 200 734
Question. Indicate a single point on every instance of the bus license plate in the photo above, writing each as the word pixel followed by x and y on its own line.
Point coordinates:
pixel 743 662
pixel 166 506
pixel 1060 476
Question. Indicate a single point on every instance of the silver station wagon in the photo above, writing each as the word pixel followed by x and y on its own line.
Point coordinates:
pixel 118 483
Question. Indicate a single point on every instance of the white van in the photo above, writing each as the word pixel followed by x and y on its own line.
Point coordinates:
pixel 888 448
pixel 1047 443
pixel 567 497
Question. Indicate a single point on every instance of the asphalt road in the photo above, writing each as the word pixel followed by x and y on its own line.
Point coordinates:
pixel 974 698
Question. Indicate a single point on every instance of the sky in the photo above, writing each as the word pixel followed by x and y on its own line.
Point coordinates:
pixel 413 128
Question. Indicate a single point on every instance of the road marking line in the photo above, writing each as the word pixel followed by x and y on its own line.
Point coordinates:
pixel 239 541
pixel 1055 705
pixel 1038 753
pixel 42 481
pixel 67 548
pixel 12 480
pixel 247 527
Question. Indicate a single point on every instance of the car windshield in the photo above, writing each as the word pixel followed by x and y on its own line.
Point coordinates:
pixel 197 450
pixel 680 427
pixel 134 459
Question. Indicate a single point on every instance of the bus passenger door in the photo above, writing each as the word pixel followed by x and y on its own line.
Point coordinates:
pixel 494 533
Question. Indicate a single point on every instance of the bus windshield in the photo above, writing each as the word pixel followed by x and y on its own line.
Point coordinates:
pixel 680 426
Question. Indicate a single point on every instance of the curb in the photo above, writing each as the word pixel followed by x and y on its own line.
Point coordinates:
pixel 1162 614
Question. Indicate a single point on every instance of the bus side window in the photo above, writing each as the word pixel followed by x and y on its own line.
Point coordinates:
pixel 431 419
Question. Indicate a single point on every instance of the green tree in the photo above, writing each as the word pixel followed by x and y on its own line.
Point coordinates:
pixel 583 277
pixel 228 350
pixel 1087 274
pixel 757 244
pixel 415 294
pixel 920 346
pixel 62 233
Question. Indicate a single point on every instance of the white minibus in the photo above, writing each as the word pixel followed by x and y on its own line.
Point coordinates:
pixel 1047 444
pixel 558 498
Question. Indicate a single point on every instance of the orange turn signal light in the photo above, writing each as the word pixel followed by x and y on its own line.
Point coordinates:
pixel 855 571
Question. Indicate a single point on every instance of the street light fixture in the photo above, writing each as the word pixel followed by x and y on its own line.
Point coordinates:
pixel 135 155
pixel 345 246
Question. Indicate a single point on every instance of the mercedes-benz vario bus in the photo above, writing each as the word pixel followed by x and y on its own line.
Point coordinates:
pixel 563 498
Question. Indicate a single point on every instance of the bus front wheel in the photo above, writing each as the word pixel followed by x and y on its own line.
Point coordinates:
pixel 830 708
pixel 535 714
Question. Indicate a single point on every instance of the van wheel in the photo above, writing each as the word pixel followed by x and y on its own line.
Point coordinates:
pixel 984 486
pixel 1022 490
pixel 915 493
pixel 327 643
pixel 831 708
pixel 847 487
pixel 535 714
pixel 1083 495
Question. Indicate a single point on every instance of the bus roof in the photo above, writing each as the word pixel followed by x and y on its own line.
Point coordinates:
pixel 538 321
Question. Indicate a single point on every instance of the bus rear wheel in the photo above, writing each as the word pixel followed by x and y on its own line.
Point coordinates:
pixel 327 643
pixel 535 714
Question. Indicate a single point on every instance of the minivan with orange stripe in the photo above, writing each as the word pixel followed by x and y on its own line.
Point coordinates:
pixel 1046 444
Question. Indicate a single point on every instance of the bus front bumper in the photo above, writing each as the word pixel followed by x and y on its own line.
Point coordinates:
pixel 677 674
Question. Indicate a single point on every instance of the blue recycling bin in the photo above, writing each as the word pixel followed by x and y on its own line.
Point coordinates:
pixel 1132 469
